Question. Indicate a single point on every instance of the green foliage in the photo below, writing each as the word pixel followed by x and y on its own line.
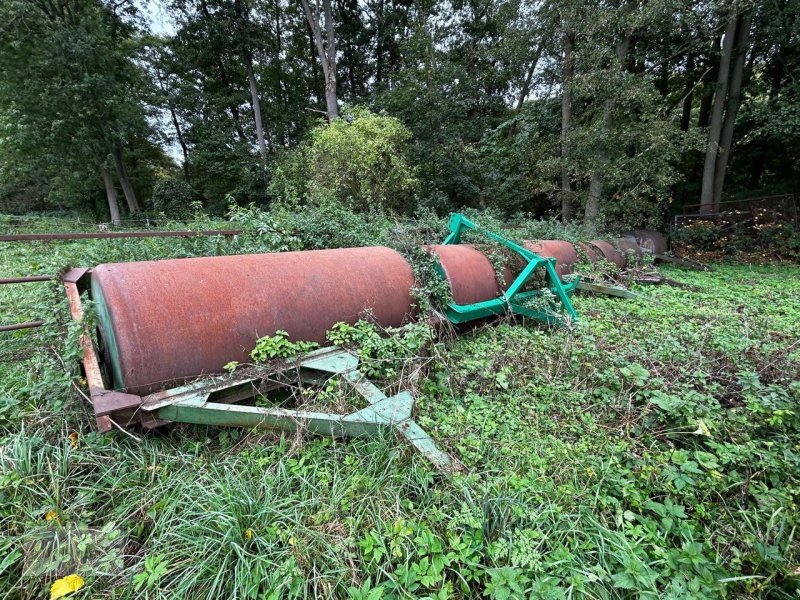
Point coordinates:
pixel 702 235
pixel 779 239
pixel 358 160
pixel 330 224
pixel 466 101
pixel 382 354
pixel 782 238
pixel 262 231
pixel 70 93
pixel 155 567
pixel 173 198
pixel 650 451
pixel 279 346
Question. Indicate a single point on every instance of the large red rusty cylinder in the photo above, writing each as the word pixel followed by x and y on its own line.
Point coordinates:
pixel 163 322
pixel 471 276
pixel 562 251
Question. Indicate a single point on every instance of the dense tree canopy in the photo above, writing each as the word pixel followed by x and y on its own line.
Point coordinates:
pixel 615 110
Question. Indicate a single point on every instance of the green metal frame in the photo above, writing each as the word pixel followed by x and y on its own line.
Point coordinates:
pixel 211 402
pixel 513 299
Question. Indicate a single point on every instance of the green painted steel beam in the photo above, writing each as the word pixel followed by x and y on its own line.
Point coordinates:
pixel 607 290
pixel 192 403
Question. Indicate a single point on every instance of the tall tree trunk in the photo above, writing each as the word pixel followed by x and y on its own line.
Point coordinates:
pixel 704 113
pixel 525 90
pixel 181 141
pixel 715 127
pixel 663 79
pixel 326 51
pixel 596 182
pixel 243 13
pixel 566 117
pixel 313 60
pixel 707 97
pixel 175 122
pixel 111 195
pixel 688 95
pixel 732 107
pixel 251 77
pixel 526 85
pixel 122 174
pixel 226 82
pixel 379 33
pixel 330 78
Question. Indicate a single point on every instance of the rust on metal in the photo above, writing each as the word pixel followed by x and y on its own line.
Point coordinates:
pixel 27 279
pixel 468 272
pixel 31 237
pixel 592 254
pixel 163 322
pixel 650 241
pixel 606 251
pixel 111 402
pixel 18 326
pixel 562 251
pixel 75 275
pixel 630 250
pixel 91 366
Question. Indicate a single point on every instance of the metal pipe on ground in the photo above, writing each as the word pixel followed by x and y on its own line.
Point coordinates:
pixel 608 252
pixel 470 275
pixel 631 251
pixel 45 237
pixel 164 322
pixel 27 279
pixel 650 241
pixel 18 326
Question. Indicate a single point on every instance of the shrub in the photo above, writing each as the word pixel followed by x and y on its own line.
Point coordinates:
pixel 173 198
pixel 782 237
pixel 358 160
pixel 699 235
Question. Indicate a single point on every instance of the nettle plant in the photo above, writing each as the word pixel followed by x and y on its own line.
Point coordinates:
pixel 382 353
pixel 279 346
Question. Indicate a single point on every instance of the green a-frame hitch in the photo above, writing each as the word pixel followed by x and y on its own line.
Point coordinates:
pixel 540 304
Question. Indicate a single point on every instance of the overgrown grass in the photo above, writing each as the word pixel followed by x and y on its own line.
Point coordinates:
pixel 650 451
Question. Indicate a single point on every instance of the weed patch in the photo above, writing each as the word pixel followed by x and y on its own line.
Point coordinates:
pixel 648 451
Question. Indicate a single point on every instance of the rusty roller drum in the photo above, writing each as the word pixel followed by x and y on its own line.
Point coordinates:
pixel 592 254
pixel 599 249
pixel 469 273
pixel 630 250
pixel 562 251
pixel 651 241
pixel 163 322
